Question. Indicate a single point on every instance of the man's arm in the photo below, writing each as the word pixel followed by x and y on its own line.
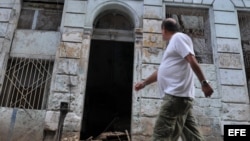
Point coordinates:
pixel 152 78
pixel 206 88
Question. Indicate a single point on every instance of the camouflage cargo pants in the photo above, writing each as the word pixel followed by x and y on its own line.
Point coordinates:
pixel 176 119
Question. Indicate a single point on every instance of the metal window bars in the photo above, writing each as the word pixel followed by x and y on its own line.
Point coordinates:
pixel 195 23
pixel 244 24
pixel 26 83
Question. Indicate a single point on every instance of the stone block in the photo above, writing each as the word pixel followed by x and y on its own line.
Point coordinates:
pixel 224 17
pixel 147 125
pixel 7 3
pixel 74 20
pixel 207 2
pixel 198 111
pixel 153 26
pixel 209 70
pixel 152 12
pixel 153 2
pixel 205 121
pixel 55 100
pixel 199 93
pixel 150 107
pixel 153 40
pixel 212 112
pixel 205 130
pixel 187 1
pixel 148 69
pixel 136 125
pixel 197 1
pixel 76 6
pixel 76 103
pixel 232 61
pixel 6 121
pixel 51 120
pixel 228 45
pixel 232 77
pixel 73 81
pixel 216 126
pixel 74 99
pixel 25 42
pixel 178 1
pixel 226 31
pixel 151 91
pixel 29 125
pixel 72 36
pixel 235 112
pixel 72 29
pixel 68 66
pixel 70 50
pixel 204 102
pixel 223 5
pixel 72 123
pixel 234 94
pixel 5 15
pixel 61 83
pixel 152 55
pixel 215 103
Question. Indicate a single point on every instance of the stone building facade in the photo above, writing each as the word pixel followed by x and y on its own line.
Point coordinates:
pixel 68 66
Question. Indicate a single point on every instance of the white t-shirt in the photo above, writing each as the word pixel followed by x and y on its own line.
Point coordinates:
pixel 175 75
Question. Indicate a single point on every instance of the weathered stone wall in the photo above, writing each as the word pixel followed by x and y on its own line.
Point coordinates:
pixel 25 43
pixel 9 13
pixel 69 76
pixel 233 85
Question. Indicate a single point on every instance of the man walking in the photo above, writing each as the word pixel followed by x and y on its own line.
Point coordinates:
pixel 175 77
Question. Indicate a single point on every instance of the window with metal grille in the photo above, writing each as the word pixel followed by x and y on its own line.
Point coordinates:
pixel 195 23
pixel 26 83
pixel 40 15
pixel 244 23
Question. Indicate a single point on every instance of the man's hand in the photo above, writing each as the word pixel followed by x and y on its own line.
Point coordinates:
pixel 207 89
pixel 140 85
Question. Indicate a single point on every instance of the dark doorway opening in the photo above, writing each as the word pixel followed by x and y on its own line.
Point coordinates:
pixel 108 97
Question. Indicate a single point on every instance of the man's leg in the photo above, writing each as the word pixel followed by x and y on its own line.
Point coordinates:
pixel 166 120
pixel 190 130
pixel 171 119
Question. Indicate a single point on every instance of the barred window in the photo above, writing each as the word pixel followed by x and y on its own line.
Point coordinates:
pixel 26 83
pixel 195 23
pixel 244 23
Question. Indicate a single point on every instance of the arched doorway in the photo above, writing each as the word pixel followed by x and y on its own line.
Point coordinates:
pixel 108 96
